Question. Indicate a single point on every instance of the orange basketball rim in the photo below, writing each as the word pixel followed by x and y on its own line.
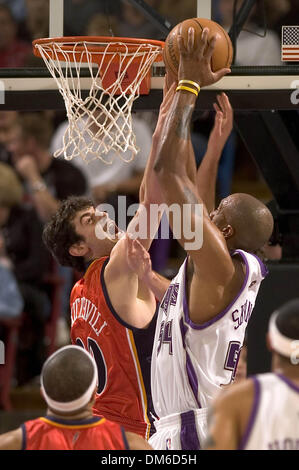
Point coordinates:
pixel 113 55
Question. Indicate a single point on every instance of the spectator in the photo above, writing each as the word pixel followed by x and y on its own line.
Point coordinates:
pixel 47 182
pixel 13 51
pixel 102 25
pixel 77 14
pixel 17 8
pixel 134 23
pixel 177 11
pixel 46 179
pixel 24 251
pixel 11 301
pixel 36 22
pixel 7 120
pixel 278 10
pixel 251 48
pixel 105 181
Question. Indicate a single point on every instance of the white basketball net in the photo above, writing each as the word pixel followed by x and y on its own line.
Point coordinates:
pixel 101 122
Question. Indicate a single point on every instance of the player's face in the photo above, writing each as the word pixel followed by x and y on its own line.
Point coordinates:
pixel 100 233
pixel 218 215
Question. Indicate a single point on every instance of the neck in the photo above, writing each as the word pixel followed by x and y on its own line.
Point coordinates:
pixel 231 246
pixel 289 371
pixel 82 415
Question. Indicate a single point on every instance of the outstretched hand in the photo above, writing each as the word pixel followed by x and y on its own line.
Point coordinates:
pixel 223 124
pixel 138 258
pixel 195 59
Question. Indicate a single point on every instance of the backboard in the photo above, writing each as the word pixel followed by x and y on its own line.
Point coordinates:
pixel 259 79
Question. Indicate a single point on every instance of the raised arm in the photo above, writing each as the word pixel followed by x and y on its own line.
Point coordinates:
pixel 150 192
pixel 172 162
pixel 206 177
pixel 131 297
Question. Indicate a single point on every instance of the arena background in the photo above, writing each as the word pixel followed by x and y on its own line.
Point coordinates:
pixel 261 157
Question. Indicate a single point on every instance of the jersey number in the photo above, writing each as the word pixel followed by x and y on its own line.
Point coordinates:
pixel 165 336
pixel 232 358
pixel 95 350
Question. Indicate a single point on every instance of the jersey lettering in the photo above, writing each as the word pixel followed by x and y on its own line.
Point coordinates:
pixel 242 315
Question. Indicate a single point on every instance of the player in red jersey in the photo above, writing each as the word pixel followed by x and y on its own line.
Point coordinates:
pixel 68 383
pixel 113 313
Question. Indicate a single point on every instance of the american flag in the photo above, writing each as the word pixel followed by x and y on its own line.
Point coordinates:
pixel 290 44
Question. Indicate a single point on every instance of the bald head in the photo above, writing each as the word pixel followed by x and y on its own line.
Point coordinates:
pixel 250 219
pixel 67 374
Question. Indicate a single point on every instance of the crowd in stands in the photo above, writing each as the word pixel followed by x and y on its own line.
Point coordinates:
pixel 33 182
pixel 22 21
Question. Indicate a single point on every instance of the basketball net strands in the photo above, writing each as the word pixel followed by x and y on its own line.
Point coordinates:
pixel 120 70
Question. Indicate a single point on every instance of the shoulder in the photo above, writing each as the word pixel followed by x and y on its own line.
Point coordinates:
pixel 12 440
pixel 253 262
pixel 94 269
pixel 236 397
pixel 136 442
pixel 118 258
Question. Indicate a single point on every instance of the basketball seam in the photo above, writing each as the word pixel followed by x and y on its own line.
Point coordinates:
pixel 224 34
pixel 195 19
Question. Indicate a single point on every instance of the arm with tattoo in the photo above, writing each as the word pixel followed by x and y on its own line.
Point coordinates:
pixel 172 165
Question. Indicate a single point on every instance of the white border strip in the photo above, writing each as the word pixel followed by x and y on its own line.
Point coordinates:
pixel 204 9
pixel 55 18
pixel 269 82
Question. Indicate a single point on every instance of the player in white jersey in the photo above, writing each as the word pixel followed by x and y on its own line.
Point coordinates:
pixel 202 318
pixel 262 413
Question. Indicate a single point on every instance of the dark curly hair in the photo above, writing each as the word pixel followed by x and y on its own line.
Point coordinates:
pixel 59 233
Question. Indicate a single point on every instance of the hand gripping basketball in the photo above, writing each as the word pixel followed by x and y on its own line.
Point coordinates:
pixel 195 58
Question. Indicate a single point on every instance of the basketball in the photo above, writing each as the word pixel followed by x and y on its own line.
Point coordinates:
pixel 223 52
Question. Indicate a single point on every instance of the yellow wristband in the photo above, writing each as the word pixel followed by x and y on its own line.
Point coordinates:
pixel 187 89
pixel 191 83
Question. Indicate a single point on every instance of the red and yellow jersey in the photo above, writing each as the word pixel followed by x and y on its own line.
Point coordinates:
pixel 122 353
pixel 51 433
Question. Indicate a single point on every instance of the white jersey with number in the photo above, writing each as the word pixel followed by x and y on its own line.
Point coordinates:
pixel 274 419
pixel 190 362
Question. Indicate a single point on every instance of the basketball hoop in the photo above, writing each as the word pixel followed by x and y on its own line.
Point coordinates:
pixel 120 70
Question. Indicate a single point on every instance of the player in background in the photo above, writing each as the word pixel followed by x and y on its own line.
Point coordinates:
pixel 262 413
pixel 204 313
pixel 113 314
pixel 68 384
